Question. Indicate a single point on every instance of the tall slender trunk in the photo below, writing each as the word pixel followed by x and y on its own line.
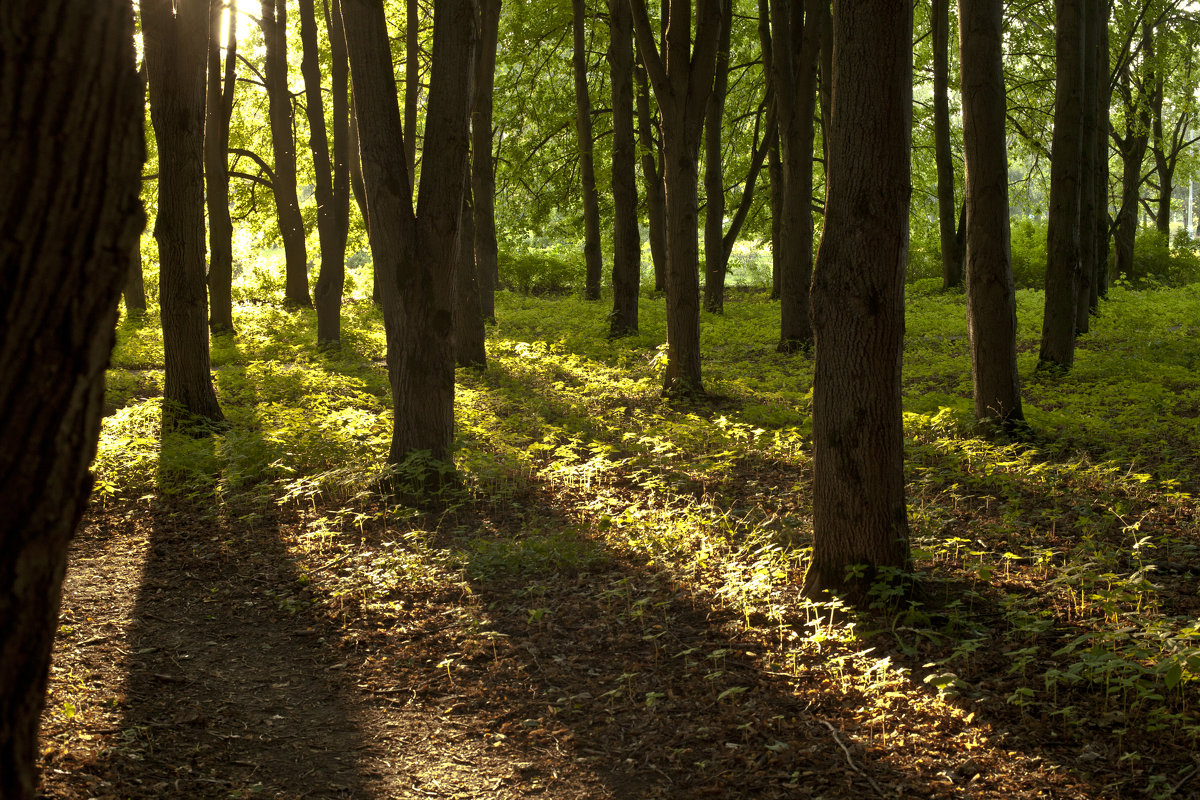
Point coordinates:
pixel 412 81
pixel 483 168
pixel 592 254
pixel 991 298
pixel 65 243
pixel 331 282
pixel 1062 241
pixel 952 254
pixel 652 176
pixel 714 176
pixel 1103 130
pixel 627 241
pixel 134 289
pixel 219 110
pixel 1089 215
pixel 1164 167
pixel 470 348
pixel 176 55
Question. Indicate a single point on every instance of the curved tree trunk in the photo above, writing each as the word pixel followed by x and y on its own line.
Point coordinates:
pixel 283 144
pixel 859 513
pixel 627 240
pixel 219 110
pixel 65 243
pixel 952 253
pixel 593 255
pixel 176 55
pixel 483 166
pixel 991 299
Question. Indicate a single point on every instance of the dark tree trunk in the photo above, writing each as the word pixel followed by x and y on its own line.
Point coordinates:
pixel 714 176
pixel 653 177
pixel 216 166
pixel 134 289
pixel 991 299
pixel 859 514
pixel 1062 241
pixel 358 187
pixel 1103 130
pixel 682 78
pixel 1132 149
pixel 795 38
pixel 65 242
pixel 176 54
pixel 412 80
pixel 332 282
pixel 283 144
pixel 627 240
pixel 415 252
pixel 1089 215
pixel 774 162
pixel 470 348
pixel 593 256
pixel 332 277
pixel 952 253
pixel 483 167
pixel 1164 167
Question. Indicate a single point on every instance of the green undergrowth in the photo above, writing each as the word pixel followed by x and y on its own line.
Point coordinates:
pixel 1057 575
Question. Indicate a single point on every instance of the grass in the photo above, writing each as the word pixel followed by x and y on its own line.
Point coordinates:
pixel 1058 577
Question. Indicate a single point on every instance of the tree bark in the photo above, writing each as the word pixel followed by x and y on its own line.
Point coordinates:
pixel 1089 215
pixel 652 175
pixel 714 175
pixel 1132 149
pixel 470 348
pixel 65 244
pixel 415 251
pixel 859 513
pixel 134 290
pixel 952 252
pixel 176 55
pixel 1103 131
pixel 283 144
pixel 219 110
pixel 483 166
pixel 592 254
pixel 1062 241
pixel 332 283
pixel 991 299
pixel 627 240
pixel 412 80
pixel 682 78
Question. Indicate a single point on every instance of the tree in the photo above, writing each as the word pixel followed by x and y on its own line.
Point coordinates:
pixel 952 246
pixel 176 45
pixel 714 174
pixel 592 255
pixel 1133 89
pixel 860 524
pixel 283 143
pixel 1062 242
pixel 682 77
pixel 627 240
pixel 65 242
pixel 483 165
pixel 415 250
pixel 650 146
pixel 219 110
pixel 470 346
pixel 991 300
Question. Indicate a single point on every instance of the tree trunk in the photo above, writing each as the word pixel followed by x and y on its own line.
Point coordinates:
pixel 483 167
pixel 415 252
pixel 795 38
pixel 991 299
pixel 331 282
pixel 774 162
pixel 627 240
pixel 219 110
pixel 682 78
pixel 1062 240
pixel 332 278
pixel 714 176
pixel 176 54
pixel 652 175
pixel 859 514
pixel 1089 215
pixel 592 254
pixel 65 242
pixel 135 285
pixel 952 254
pixel 1132 148
pixel 283 144
pixel 412 81
pixel 1163 166
pixel 470 348
pixel 1103 130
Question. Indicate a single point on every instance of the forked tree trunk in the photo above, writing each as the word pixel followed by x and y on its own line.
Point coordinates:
pixel 415 251
pixel 952 254
pixel 860 524
pixel 1062 241
pixel 283 145
pixel 219 110
pixel 176 54
pixel 483 166
pixel 627 240
pixel 991 299
pixel 65 242
pixel 593 256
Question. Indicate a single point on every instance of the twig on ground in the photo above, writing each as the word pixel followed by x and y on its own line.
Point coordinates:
pixel 850 759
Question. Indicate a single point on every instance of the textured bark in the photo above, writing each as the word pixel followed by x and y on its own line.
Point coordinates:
pixel 470 348
pixel 795 38
pixel 651 157
pixel 627 240
pixel 176 54
pixel 859 514
pixel 1089 214
pixel 593 256
pixel 65 242
pixel 134 289
pixel 1103 130
pixel 483 165
pixel 283 144
pixel 331 282
pixel 952 251
pixel 682 78
pixel 1132 150
pixel 1062 241
pixel 991 299
pixel 714 176
pixel 219 110
pixel 332 236
pixel 415 252
pixel 412 80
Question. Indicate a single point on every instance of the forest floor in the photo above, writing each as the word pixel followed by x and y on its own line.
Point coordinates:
pixel 607 606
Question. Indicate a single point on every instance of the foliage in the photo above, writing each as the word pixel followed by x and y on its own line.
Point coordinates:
pixel 533 268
